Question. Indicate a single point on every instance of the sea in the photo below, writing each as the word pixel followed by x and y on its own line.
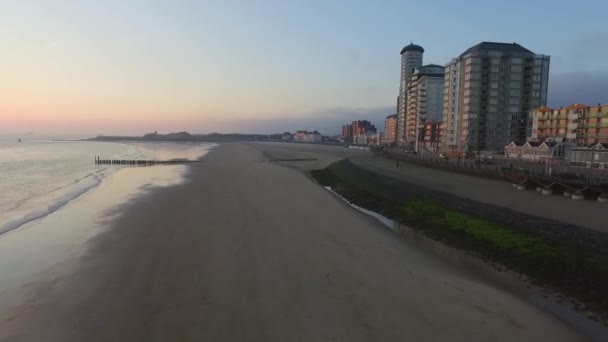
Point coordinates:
pixel 39 177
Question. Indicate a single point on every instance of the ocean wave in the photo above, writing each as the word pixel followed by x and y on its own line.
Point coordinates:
pixel 75 190
pixel 39 202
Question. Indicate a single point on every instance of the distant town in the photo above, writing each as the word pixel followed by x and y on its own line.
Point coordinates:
pixel 488 102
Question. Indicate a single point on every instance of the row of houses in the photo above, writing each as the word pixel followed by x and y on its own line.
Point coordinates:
pixel 592 156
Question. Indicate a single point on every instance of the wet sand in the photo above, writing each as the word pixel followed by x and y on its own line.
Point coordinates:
pixel 249 250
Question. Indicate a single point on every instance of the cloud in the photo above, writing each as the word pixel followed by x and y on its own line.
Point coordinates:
pixel 585 53
pixel 578 87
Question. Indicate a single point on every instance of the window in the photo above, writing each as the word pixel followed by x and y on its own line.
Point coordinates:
pixel 494 85
pixel 516 68
pixel 536 86
pixel 515 85
pixel 516 77
pixel 535 94
pixel 536 78
pixel 514 92
pixel 515 60
pixel 514 101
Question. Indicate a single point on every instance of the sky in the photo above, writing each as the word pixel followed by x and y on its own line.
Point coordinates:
pixel 131 67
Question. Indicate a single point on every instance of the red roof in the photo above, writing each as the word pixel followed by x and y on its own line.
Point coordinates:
pixel 577 106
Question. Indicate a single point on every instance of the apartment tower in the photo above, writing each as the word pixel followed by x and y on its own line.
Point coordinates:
pixel 390 129
pixel 489 91
pixel 424 102
pixel 411 58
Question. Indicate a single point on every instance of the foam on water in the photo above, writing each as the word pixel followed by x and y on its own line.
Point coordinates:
pixel 40 177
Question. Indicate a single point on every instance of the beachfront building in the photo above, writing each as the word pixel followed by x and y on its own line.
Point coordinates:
pixel 489 91
pixel 529 150
pixel 362 127
pixel 411 58
pixel 306 136
pixel 431 136
pixel 424 102
pixel 577 123
pixel 368 138
pixel 595 156
pixel 347 133
pixel 390 129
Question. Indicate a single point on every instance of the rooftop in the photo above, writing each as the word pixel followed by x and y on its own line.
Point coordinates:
pixel 393 116
pixel 412 47
pixel 492 46
pixel 577 106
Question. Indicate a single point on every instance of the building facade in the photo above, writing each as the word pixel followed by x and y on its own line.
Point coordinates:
pixel 529 150
pixel 489 91
pixel 306 136
pixel 368 138
pixel 347 133
pixel 595 156
pixel 362 126
pixel 431 136
pixel 390 129
pixel 411 58
pixel 424 101
pixel 577 123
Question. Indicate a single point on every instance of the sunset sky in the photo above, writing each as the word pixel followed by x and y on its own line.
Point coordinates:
pixel 129 67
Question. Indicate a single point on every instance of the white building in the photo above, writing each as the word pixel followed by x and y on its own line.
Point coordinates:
pixel 424 101
pixel 368 138
pixel 489 91
pixel 411 58
pixel 305 136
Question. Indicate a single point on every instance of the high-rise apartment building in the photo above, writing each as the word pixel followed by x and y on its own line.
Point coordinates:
pixel 347 133
pixel 488 92
pixel 390 129
pixel 362 127
pixel 424 101
pixel 411 58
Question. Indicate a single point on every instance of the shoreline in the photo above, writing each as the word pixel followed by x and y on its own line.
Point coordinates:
pixel 37 249
pixel 214 259
pixel 97 177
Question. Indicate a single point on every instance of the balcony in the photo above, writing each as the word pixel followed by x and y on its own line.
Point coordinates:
pixel 594 135
pixel 597 115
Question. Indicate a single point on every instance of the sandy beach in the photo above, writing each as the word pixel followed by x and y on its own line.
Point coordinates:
pixel 253 250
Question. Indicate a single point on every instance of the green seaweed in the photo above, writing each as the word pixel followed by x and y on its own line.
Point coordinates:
pixel 551 263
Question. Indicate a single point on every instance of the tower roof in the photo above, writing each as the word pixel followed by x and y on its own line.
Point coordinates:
pixel 492 46
pixel 412 47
